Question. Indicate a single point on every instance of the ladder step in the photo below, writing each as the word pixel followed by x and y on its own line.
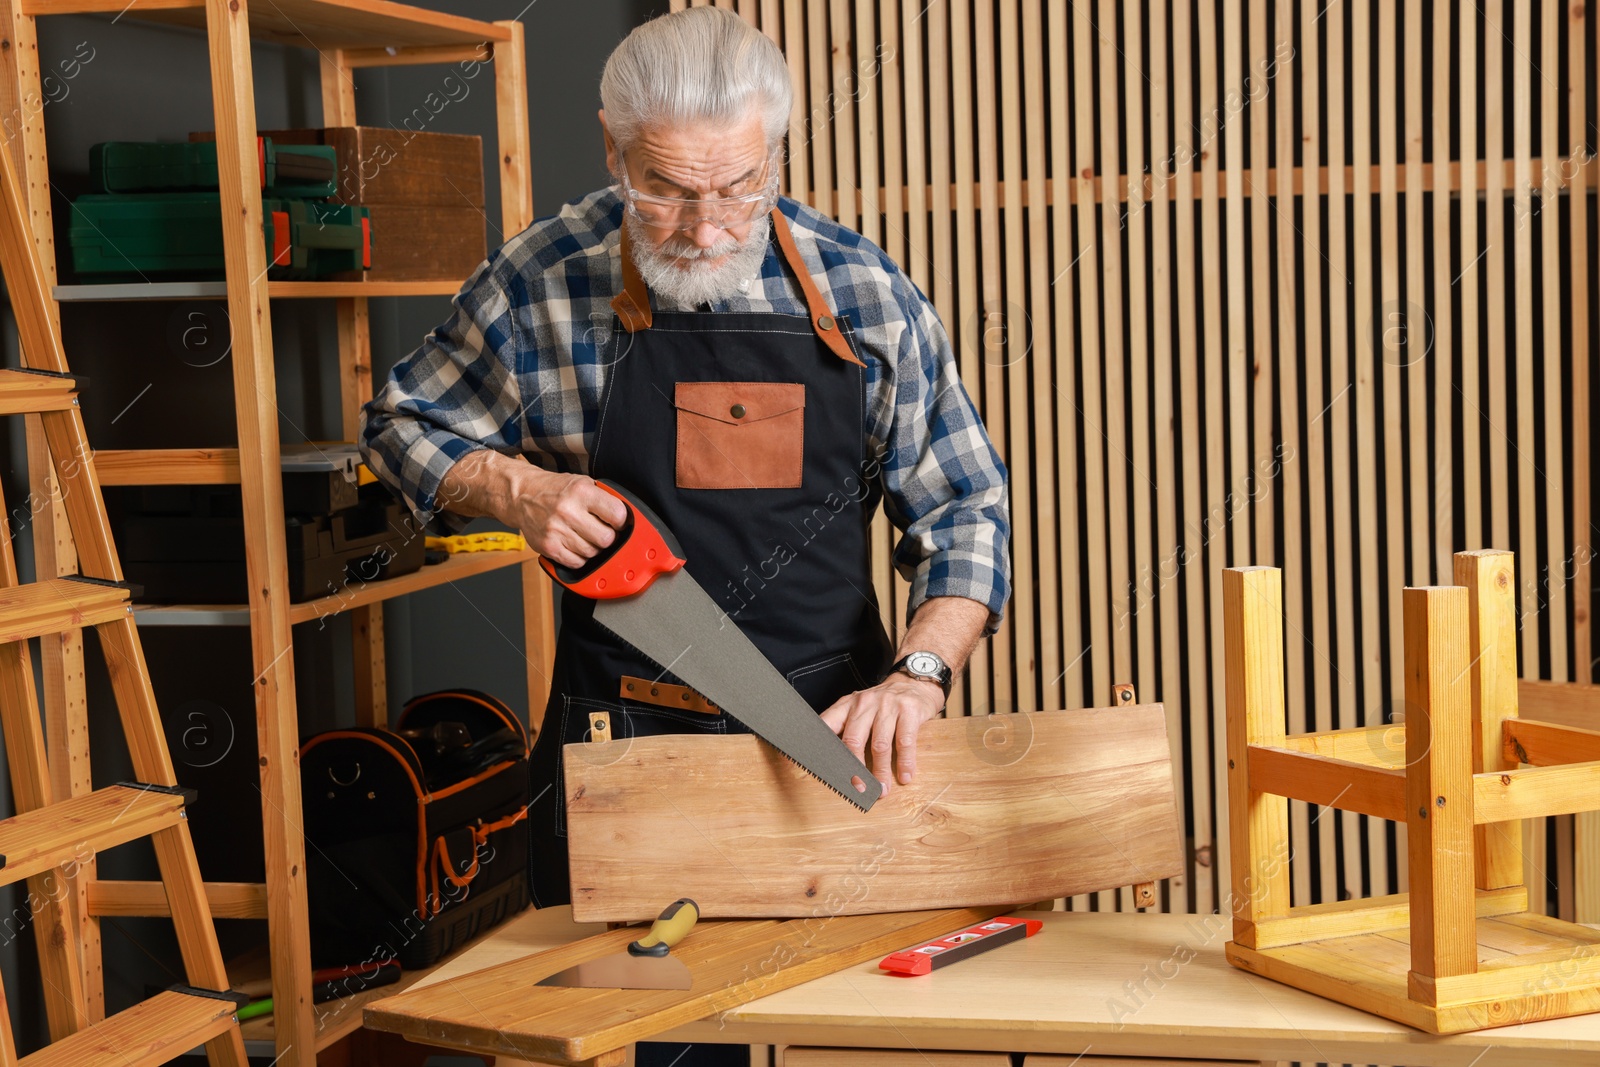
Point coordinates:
pixel 73 830
pixel 23 392
pixel 151 1032
pixel 59 604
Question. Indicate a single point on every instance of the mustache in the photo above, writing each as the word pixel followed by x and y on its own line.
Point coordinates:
pixel 692 251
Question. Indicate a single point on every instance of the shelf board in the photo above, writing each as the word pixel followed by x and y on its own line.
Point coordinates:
pixel 275 290
pixel 461 565
pixel 319 24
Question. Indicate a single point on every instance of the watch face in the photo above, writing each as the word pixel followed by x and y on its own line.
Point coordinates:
pixel 923 663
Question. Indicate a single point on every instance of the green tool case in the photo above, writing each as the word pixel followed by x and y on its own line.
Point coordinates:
pixel 307 171
pixel 140 234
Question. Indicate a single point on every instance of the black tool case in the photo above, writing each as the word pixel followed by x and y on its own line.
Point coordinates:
pixel 421 839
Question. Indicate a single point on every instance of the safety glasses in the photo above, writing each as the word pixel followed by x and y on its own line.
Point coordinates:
pixel 674 213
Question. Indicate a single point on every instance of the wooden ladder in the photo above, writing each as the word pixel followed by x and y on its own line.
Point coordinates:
pixel 49 839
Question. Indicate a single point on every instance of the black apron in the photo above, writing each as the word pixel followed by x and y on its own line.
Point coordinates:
pixel 746 434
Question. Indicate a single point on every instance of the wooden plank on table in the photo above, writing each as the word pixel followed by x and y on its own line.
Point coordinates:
pixel 1039 368
pixel 1085 804
pixel 1253 657
pixel 1363 383
pixel 501 1009
pixel 984 327
pixel 1439 790
pixel 1064 346
pixel 1161 580
pixel 1191 382
pixel 1470 277
pixel 1215 501
pixel 1391 327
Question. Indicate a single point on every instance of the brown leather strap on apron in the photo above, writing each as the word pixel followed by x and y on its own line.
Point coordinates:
pixel 632 305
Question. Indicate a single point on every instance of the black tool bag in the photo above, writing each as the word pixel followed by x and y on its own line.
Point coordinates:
pixel 415 839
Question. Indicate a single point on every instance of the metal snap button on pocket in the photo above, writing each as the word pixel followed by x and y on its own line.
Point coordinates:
pixel 737 411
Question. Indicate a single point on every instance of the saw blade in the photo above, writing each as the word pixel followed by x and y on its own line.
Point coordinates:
pixel 677 625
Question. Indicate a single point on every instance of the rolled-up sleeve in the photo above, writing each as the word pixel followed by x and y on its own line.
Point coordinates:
pixel 454 395
pixel 944 484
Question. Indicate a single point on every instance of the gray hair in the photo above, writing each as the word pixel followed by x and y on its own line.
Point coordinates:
pixel 701 64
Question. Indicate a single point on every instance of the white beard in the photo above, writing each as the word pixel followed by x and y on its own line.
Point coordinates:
pixel 672 283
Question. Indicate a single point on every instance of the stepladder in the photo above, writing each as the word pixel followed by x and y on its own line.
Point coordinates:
pixel 1460 950
pixel 52 840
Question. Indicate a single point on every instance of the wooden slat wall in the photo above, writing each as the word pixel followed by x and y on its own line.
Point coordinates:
pixel 1337 321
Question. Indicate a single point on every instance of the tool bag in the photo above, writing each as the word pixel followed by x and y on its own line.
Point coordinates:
pixel 415 837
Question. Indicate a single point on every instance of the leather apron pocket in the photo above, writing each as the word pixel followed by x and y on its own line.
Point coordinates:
pixel 740 435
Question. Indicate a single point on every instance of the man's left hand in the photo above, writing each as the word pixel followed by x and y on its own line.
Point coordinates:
pixel 886 719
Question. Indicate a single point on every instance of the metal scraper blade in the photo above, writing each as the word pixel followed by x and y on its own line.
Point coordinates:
pixel 679 627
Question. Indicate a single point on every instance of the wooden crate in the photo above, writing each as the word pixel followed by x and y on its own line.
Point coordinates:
pixel 1460 951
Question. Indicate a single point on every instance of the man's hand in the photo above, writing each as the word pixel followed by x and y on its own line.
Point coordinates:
pixel 888 717
pixel 566 517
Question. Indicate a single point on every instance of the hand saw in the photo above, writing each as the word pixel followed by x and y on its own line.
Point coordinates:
pixel 643 595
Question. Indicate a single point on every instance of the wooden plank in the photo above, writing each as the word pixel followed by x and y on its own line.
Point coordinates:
pixel 990 317
pixel 1253 651
pixel 1580 30
pixel 1364 386
pixel 1551 481
pixel 1537 792
pixel 168 466
pixel 1470 278
pixel 1529 606
pixel 1443 315
pixel 1086 804
pixel 1413 369
pixel 501 1009
pixel 967 299
pixel 255 402
pixel 1192 376
pixel 1490 579
pixel 880 65
pixel 818 136
pixel 1548 744
pixel 151 1032
pixel 1161 579
pixel 1284 453
pixel 1495 37
pixel 1370 915
pixel 1329 782
pixel 1563 702
pixel 1350 668
pixel 1037 378
pixel 798 174
pixel 1375 746
pixel 842 106
pixel 1440 789
pixel 228 900
pixel 1017 682
pixel 1391 324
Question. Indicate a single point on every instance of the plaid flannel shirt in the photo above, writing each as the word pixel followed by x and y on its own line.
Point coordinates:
pixel 520 367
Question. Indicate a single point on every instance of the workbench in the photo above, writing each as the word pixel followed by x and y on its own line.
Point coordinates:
pixel 1131 985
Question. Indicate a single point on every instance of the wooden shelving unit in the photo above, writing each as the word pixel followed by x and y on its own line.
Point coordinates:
pixel 347 34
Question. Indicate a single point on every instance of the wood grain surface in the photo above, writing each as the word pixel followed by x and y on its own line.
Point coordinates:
pixel 1006 808
pixel 502 1009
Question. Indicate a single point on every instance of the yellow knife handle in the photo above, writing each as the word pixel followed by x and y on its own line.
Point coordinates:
pixel 670 927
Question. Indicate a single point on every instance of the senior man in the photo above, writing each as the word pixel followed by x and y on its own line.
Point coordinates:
pixel 759 375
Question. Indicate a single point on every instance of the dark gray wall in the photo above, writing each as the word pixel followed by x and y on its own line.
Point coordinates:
pixel 147 82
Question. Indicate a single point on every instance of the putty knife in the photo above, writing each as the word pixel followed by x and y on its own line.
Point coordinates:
pixel 646 964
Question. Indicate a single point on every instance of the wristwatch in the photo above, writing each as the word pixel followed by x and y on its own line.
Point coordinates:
pixel 928 666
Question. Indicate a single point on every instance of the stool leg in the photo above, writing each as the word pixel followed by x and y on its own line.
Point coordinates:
pixel 1252 600
pixel 1491 581
pixel 1439 788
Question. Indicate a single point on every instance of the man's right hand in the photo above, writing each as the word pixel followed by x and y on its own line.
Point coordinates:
pixel 565 517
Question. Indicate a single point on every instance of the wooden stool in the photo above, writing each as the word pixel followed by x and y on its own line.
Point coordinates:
pixel 1460 951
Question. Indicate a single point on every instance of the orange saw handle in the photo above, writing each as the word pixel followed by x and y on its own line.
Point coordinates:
pixel 643 549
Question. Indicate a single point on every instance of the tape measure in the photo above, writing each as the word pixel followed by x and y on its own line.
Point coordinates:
pixel 959 945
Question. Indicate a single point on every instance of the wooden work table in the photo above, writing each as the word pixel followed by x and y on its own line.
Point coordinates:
pixel 1106 985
